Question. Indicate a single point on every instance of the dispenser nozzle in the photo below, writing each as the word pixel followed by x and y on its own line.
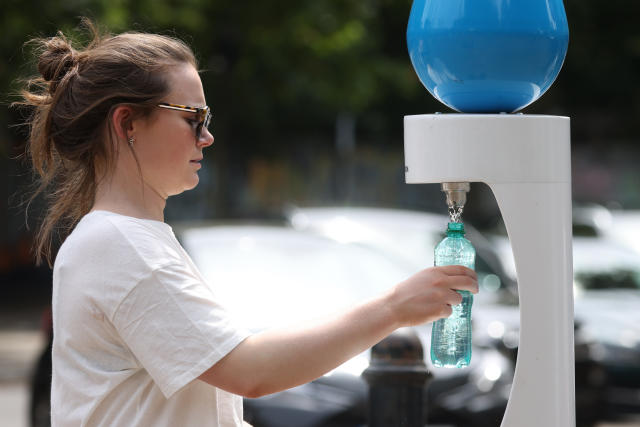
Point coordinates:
pixel 456 198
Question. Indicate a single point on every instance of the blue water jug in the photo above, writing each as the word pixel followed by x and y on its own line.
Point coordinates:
pixel 487 56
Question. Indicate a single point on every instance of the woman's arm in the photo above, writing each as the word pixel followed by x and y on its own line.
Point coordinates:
pixel 279 359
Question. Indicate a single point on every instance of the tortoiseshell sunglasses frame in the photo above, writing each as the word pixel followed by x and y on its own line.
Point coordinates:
pixel 204 115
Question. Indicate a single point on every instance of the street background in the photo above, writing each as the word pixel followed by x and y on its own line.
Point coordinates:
pixel 307 99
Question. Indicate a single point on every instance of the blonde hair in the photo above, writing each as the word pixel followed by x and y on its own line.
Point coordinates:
pixel 72 102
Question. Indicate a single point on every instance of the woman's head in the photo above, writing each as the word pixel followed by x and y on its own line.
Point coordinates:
pixel 86 101
pixel 168 143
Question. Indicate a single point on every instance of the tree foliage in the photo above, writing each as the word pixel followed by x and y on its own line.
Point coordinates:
pixel 277 69
pixel 279 73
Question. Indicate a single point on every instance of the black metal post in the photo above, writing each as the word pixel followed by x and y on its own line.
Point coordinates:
pixel 397 377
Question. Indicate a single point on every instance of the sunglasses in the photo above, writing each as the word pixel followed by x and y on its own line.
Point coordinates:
pixel 203 114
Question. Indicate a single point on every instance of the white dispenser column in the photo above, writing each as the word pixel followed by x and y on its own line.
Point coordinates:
pixel 526 162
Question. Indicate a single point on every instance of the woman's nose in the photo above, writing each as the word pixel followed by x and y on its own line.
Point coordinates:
pixel 206 139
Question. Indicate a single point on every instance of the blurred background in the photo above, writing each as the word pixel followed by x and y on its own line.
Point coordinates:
pixel 308 99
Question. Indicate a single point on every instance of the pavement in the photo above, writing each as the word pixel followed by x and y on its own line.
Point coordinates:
pixel 21 342
pixel 14 398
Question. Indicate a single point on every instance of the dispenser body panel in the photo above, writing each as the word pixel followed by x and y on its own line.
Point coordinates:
pixel 526 162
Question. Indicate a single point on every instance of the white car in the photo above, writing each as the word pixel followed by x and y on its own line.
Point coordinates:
pixel 411 237
pixel 270 276
pixel 625 228
pixel 622 226
pixel 408 237
pixel 607 310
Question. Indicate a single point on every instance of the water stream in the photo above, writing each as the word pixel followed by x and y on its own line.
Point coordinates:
pixel 455 213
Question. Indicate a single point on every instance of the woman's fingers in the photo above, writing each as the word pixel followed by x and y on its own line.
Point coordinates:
pixel 458 270
pixel 446 312
pixel 454 298
pixel 462 283
pixel 467 284
pixel 429 294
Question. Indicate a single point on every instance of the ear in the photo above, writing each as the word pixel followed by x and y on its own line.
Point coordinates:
pixel 122 121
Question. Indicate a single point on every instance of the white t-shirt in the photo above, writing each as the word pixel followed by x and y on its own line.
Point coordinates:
pixel 135 325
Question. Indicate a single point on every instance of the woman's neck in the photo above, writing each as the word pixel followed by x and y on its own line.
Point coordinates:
pixel 129 195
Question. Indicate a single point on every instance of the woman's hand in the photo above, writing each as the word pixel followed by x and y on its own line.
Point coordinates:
pixel 429 294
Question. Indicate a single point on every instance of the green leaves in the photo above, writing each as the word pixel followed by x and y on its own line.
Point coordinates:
pixel 290 66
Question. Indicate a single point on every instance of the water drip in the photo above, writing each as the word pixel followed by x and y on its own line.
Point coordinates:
pixel 456 198
pixel 455 213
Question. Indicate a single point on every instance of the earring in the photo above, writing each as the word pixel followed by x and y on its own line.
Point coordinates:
pixel 131 140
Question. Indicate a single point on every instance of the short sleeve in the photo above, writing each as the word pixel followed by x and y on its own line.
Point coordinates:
pixel 174 327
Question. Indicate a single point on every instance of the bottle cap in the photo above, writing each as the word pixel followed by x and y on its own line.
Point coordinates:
pixel 456 226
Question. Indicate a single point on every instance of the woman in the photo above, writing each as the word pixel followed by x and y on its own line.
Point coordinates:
pixel 140 339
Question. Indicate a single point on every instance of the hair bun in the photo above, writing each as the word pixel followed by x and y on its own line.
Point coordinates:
pixel 56 60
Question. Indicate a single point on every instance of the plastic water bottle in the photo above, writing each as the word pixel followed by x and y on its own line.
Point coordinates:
pixel 451 337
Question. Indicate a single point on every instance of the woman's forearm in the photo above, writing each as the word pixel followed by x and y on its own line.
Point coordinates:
pixel 282 358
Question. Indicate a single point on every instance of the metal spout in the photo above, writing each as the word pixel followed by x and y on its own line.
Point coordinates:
pixel 456 198
pixel 456 193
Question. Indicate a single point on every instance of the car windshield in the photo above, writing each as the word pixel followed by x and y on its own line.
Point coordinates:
pixel 600 264
pixel 614 279
pixel 272 276
pixel 407 236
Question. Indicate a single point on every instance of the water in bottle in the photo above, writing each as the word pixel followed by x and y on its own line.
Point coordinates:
pixel 451 337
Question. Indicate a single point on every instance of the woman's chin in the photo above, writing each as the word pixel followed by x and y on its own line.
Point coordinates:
pixel 189 185
pixel 193 183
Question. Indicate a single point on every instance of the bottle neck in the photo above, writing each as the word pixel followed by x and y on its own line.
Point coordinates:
pixel 455 229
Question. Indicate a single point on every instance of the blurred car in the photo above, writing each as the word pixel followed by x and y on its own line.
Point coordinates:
pixel 621 226
pixel 591 220
pixel 625 228
pixel 411 236
pixel 607 303
pixel 272 276
pixel 606 306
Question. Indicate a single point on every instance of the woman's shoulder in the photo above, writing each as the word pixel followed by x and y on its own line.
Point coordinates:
pixel 106 256
pixel 103 236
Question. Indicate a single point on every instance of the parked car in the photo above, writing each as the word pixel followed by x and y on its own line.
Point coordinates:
pixel 591 220
pixel 617 225
pixel 409 238
pixel 277 275
pixel 412 236
pixel 606 301
pixel 625 228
